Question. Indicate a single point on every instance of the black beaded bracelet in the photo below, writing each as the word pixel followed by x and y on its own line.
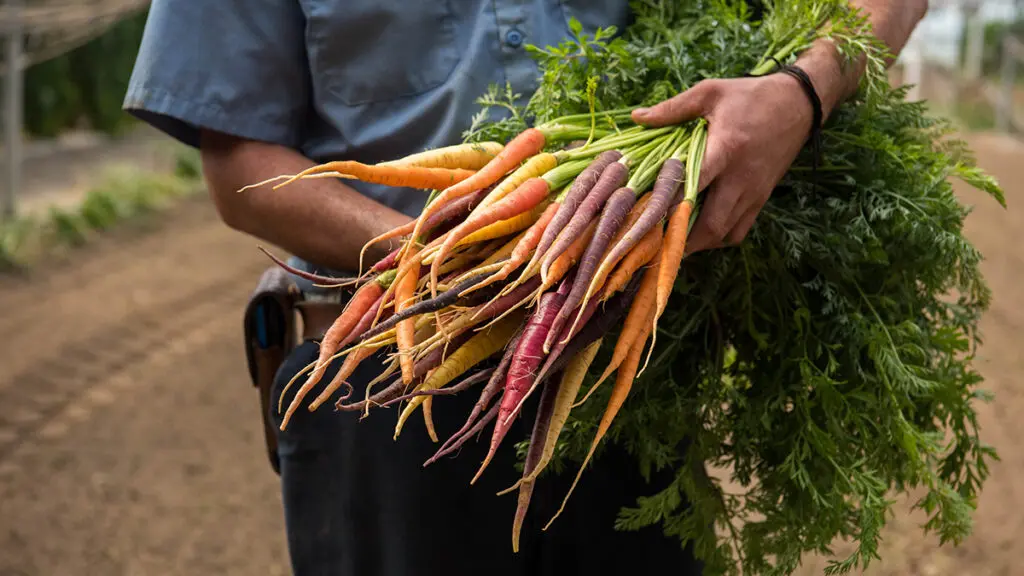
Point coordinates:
pixel 812 95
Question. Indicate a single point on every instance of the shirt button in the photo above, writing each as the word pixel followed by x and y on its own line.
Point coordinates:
pixel 514 38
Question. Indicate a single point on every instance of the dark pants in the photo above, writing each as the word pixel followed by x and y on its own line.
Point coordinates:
pixel 358 503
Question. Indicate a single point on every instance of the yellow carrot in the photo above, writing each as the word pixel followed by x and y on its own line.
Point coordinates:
pixel 428 419
pixel 526 144
pixel 623 384
pixel 471 156
pixel 535 167
pixel 512 225
pixel 477 349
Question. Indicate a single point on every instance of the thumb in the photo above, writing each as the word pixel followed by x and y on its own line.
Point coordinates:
pixel 686 105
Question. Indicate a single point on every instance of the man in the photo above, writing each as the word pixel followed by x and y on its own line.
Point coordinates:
pixel 270 87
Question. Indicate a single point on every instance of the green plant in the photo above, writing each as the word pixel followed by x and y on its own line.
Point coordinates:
pixel 68 228
pixel 87 84
pixel 827 362
pixel 188 164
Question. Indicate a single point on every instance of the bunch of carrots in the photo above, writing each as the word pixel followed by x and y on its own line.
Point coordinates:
pixel 508 263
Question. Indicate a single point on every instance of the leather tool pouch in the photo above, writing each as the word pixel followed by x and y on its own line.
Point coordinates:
pixel 270 335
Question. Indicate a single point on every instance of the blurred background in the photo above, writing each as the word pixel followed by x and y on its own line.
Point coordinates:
pixel 130 439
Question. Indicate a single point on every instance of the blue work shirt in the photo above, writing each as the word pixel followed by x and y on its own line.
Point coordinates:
pixel 366 80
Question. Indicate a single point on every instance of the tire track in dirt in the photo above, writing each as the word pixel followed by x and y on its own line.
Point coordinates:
pixel 147 274
pixel 32 398
pixel 135 242
pixel 130 437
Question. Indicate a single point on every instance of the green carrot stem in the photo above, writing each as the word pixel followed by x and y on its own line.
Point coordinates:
pixel 564 173
pixel 619 112
pixel 698 143
pixel 614 142
pixel 553 132
pixel 386 278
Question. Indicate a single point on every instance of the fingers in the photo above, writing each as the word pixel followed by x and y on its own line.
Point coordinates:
pixel 743 225
pixel 717 217
pixel 687 105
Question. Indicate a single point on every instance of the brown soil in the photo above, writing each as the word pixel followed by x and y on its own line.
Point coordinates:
pixel 130 441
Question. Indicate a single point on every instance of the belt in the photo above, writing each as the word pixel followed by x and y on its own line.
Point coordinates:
pixel 272 332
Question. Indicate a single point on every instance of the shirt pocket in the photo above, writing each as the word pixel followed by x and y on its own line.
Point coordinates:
pixel 594 14
pixel 365 51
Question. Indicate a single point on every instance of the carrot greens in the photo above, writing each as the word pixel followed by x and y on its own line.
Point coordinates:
pixel 823 364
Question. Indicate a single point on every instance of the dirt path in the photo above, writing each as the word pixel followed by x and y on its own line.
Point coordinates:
pixel 124 395
pixel 130 442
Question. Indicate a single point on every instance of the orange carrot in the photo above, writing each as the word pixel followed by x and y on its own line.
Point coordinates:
pixel 525 197
pixel 523 247
pixel 508 226
pixel 405 335
pixel 623 384
pixel 639 256
pixel 361 301
pixel 352 362
pixel 672 253
pixel 528 143
pixel 635 325
pixel 389 175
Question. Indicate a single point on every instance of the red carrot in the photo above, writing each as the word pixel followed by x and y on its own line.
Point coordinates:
pixel 611 219
pixel 524 365
pixel 613 177
pixel 325 280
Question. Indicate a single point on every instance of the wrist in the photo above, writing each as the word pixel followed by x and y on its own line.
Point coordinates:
pixel 833 79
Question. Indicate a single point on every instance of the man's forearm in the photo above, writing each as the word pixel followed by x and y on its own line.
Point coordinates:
pixel 319 220
pixel 892 22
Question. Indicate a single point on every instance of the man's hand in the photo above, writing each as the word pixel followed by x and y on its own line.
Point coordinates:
pixel 757 126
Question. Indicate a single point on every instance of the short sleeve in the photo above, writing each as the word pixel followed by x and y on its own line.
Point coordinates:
pixel 233 66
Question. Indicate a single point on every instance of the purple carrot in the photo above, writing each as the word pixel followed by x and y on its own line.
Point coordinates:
pixel 612 217
pixel 538 437
pixel 456 208
pixel 664 192
pixel 494 385
pixel 614 311
pixel 386 263
pixel 504 303
pixel 581 186
pixel 465 384
pixel 524 365
pixel 443 300
pixel 327 280
pixel 613 176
